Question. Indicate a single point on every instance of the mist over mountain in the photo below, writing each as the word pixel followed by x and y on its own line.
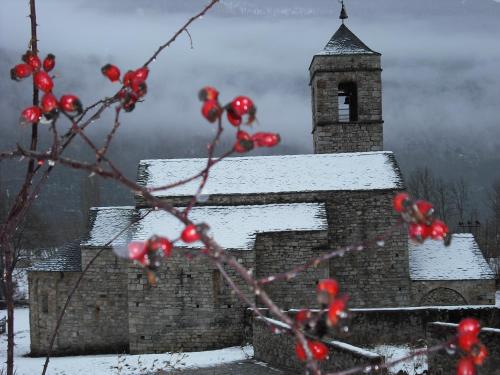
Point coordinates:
pixel 440 80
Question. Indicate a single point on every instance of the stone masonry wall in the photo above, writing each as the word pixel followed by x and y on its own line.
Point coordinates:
pixel 281 251
pixel 96 319
pixel 374 277
pixel 453 292
pixel 329 134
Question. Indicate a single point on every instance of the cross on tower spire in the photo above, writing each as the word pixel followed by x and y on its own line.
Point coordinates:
pixel 343 12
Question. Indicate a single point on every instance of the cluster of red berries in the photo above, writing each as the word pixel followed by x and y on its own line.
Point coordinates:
pixel 319 323
pixel 420 216
pixel 134 84
pixel 236 110
pixel 475 352
pixel 49 105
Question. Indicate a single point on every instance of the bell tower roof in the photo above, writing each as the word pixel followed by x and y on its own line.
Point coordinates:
pixel 344 42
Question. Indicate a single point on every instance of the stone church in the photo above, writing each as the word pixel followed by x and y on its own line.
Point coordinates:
pixel 272 213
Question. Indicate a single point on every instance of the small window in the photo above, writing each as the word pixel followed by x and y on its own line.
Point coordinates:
pixel 348 102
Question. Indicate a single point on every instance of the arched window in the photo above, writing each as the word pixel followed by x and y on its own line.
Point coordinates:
pixel 348 102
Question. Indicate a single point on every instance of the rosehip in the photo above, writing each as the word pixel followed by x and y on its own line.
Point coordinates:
pixel 418 232
pixel 243 136
pixel 241 105
pixel 190 234
pixel 49 62
pixel 329 286
pixel 465 366
pixel 425 208
pixel 400 201
pixel 439 230
pixel 318 350
pixel 31 115
pixel 303 316
pixel 242 146
pixel 33 60
pixel 70 103
pixel 233 118
pixel 137 250
pixel 208 93
pixel 336 310
pixel 140 89
pixel 20 71
pixel 467 341
pixel 128 78
pixel 161 243
pixel 43 81
pixel 111 72
pixel 140 75
pixel 211 110
pixel 48 103
pixel 469 326
pixel 266 139
pixel 480 354
pixel 128 101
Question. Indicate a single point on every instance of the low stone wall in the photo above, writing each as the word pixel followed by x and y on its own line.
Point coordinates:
pixel 442 363
pixel 453 292
pixel 279 351
pixel 408 325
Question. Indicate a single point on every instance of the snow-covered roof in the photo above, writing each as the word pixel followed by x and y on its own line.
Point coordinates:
pixel 66 258
pixel 462 260
pixel 276 174
pixel 344 42
pixel 233 227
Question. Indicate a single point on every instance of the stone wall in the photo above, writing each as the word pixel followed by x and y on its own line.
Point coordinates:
pixel 330 135
pixel 442 363
pixel 96 319
pixel 279 351
pixel 453 292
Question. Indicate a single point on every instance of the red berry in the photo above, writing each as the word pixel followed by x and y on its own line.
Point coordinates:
pixel 400 201
pixel 425 208
pixel 208 93
pixel 480 354
pixel 20 71
pixel 49 62
pixel 140 75
pixel 329 286
pixel 242 105
pixel 242 146
pixel 211 110
pixel 233 118
pixel 243 136
pixel 43 81
pixel 137 250
pixel 33 60
pixel 467 341
pixel 335 311
pixel 303 316
pixel 468 326
pixel 48 103
pixel 161 243
pixel 111 72
pixel 266 139
pixel 318 350
pixel 128 101
pixel 465 366
pixel 419 232
pixel 190 234
pixel 128 78
pixel 140 89
pixel 31 115
pixel 439 230
pixel 70 103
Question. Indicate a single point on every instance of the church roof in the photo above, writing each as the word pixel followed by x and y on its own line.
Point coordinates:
pixel 66 258
pixel 277 174
pixel 233 227
pixel 344 42
pixel 462 260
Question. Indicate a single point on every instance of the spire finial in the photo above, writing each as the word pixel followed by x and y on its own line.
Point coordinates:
pixel 343 12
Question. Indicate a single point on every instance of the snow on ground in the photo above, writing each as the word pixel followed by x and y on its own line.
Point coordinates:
pixel 415 366
pixel 108 364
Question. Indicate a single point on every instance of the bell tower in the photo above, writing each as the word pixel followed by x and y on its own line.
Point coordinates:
pixel 346 95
